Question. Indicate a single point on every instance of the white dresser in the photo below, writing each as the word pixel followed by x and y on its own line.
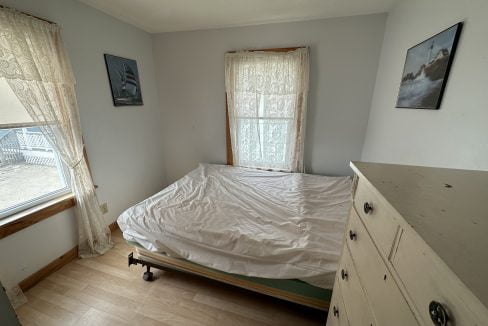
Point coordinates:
pixel 416 248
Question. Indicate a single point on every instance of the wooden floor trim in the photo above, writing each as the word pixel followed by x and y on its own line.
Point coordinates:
pixel 113 226
pixel 49 269
pixel 56 264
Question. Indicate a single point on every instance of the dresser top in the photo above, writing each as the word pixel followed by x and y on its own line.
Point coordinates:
pixel 448 208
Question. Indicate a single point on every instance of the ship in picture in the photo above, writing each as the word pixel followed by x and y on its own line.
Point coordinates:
pixel 124 80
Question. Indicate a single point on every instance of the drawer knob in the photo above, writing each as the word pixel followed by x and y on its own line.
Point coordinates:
pixel 335 311
pixel 352 235
pixel 344 275
pixel 368 208
pixel 438 313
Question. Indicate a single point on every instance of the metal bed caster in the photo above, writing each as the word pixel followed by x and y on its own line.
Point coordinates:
pixel 148 276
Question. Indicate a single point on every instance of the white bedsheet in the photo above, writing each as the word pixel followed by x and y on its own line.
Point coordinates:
pixel 247 221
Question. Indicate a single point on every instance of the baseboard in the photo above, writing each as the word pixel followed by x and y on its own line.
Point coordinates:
pixel 48 269
pixel 113 227
pixel 55 265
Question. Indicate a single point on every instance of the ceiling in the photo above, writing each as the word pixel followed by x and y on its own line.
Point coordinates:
pixel 157 16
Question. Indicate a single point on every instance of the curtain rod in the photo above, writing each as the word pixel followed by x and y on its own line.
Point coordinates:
pixel 273 50
pixel 47 21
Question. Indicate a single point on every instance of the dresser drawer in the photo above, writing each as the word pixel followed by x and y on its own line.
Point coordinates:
pixel 388 304
pixel 357 306
pixel 377 217
pixel 427 279
pixel 337 315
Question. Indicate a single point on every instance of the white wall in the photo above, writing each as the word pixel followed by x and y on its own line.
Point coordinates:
pixel 456 135
pixel 344 59
pixel 123 144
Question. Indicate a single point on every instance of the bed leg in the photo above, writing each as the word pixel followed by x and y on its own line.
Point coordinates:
pixel 148 275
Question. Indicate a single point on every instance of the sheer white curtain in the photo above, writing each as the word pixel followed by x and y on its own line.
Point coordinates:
pixel 267 103
pixel 35 64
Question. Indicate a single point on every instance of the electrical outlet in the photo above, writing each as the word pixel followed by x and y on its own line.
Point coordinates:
pixel 104 208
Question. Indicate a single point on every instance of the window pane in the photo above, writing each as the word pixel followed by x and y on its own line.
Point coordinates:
pixel 12 112
pixel 263 142
pixel 30 171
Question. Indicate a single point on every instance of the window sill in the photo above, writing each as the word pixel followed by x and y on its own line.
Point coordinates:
pixel 24 219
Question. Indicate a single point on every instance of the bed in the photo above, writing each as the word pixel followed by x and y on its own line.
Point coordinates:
pixel 271 232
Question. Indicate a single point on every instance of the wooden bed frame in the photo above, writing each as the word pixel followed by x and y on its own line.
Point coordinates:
pixel 282 289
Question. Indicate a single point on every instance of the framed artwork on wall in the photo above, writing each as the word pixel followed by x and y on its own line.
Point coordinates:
pixel 124 80
pixel 426 70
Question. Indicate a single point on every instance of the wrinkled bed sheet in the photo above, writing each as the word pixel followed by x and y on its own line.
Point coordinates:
pixel 247 221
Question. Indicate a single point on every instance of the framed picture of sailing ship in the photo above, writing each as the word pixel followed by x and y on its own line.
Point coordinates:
pixel 426 70
pixel 124 80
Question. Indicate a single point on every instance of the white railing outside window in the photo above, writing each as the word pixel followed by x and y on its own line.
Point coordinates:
pixel 30 170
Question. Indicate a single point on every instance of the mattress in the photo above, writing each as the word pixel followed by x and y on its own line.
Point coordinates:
pixel 248 222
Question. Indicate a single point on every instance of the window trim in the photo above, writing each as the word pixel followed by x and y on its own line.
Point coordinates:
pixel 19 221
pixel 230 155
pixel 35 202
pixel 23 125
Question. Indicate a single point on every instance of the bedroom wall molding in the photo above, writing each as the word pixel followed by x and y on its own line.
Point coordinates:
pixel 55 265
pixel 24 219
pixel 50 268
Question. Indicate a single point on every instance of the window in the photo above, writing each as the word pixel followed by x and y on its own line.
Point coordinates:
pixel 263 140
pixel 31 172
pixel 266 98
pixel 36 67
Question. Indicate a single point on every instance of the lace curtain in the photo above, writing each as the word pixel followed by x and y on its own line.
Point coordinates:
pixel 267 103
pixel 35 64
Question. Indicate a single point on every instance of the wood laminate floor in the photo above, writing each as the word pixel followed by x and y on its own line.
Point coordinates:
pixel 104 291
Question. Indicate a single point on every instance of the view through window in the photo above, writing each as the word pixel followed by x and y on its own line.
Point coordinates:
pixel 31 172
pixel 263 140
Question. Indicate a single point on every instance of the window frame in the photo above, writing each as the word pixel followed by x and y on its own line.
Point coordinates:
pixel 36 214
pixel 39 200
pixel 229 152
